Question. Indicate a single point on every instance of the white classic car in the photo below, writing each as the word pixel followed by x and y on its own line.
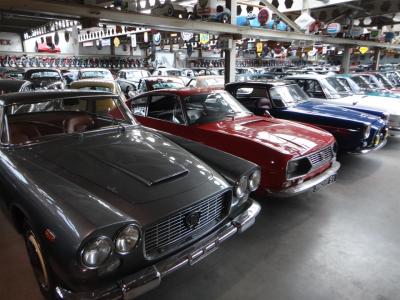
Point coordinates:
pixel 327 89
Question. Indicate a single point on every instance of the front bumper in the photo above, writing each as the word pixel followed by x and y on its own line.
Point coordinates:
pixel 307 185
pixel 145 280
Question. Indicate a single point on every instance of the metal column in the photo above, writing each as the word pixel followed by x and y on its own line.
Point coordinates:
pixel 230 55
pixel 346 59
pixel 377 58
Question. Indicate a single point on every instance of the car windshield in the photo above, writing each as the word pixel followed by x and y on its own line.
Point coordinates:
pixel 96 74
pixel 361 82
pixel 51 118
pixel 134 74
pixel 160 84
pixel 287 95
pixel 334 89
pixel 384 81
pixel 44 75
pixel 348 83
pixel 174 73
pixel 213 107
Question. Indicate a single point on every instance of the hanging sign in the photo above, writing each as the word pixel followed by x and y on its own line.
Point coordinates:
pixel 363 50
pixel 333 28
pixel 133 41
pixel 186 36
pixel 116 42
pixel 259 47
pixel 157 38
pixel 204 38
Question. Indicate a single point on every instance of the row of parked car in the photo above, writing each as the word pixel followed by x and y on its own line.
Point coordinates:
pixel 113 189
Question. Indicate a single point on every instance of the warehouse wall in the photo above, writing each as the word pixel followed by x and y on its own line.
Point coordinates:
pixel 15 42
pixel 66 47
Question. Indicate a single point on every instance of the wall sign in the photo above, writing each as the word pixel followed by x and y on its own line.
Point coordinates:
pixel 157 38
pixel 133 41
pixel 187 36
pixel 334 28
pixel 363 50
pixel 4 42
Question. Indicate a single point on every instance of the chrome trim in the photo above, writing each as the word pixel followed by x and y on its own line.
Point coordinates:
pixel 102 237
pixel 306 185
pixel 313 168
pixel 149 278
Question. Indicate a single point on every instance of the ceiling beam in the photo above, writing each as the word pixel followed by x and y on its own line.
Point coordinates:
pixel 65 10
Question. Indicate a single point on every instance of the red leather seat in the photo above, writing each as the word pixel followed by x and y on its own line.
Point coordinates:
pixel 21 133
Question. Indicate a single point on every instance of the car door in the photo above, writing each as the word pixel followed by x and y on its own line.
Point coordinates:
pixel 161 111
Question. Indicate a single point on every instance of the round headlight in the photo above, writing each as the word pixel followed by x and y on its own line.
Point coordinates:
pixel 96 252
pixel 367 131
pixel 241 187
pixel 127 239
pixel 254 180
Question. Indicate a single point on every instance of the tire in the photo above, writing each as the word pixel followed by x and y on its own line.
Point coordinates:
pixel 43 274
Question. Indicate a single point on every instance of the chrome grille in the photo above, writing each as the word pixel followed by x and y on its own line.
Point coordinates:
pixel 321 157
pixel 159 237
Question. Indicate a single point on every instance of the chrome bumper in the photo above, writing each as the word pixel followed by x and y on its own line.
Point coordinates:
pixel 367 150
pixel 149 278
pixel 306 185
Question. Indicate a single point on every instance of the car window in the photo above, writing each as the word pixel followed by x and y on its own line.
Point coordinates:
pixel 34 121
pixel 142 86
pixel 167 108
pixel 95 88
pixel 139 106
pixel 254 92
pixel 44 74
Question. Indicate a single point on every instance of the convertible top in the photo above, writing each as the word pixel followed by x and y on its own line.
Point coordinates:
pixel 40 96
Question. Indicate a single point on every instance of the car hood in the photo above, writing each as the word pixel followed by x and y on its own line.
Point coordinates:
pixel 331 111
pixel 137 166
pixel 284 136
pixel 384 104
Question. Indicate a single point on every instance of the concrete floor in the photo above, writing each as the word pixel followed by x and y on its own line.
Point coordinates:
pixel 341 243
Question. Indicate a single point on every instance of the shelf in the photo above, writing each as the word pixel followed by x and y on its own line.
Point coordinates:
pixel 76 11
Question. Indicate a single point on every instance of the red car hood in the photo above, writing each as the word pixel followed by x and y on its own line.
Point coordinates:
pixel 284 136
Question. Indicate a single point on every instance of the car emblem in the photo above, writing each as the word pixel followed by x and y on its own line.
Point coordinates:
pixel 192 219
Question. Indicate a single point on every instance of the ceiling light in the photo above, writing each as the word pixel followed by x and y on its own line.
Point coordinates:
pixel 356 22
pixel 396 17
pixel 367 21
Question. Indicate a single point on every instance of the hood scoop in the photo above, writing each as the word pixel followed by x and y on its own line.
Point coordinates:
pixel 150 168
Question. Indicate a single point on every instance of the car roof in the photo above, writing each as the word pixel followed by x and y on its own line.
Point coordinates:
pixel 12 83
pixel 270 83
pixel 42 70
pixel 184 92
pixel 94 69
pixel 40 96
pixel 308 76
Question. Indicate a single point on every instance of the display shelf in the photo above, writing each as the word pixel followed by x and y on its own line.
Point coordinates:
pixel 68 10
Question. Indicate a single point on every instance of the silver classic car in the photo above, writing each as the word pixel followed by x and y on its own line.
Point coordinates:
pixel 108 207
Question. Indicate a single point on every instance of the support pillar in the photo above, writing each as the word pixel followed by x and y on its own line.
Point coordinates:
pixel 377 58
pixel 230 55
pixel 346 59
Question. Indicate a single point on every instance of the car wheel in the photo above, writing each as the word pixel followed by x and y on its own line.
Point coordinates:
pixel 39 263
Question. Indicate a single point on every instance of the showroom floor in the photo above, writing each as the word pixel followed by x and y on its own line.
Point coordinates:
pixel 341 243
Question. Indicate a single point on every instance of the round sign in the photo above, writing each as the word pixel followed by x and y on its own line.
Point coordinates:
pixel 356 31
pixel 263 16
pixel 116 42
pixel 333 28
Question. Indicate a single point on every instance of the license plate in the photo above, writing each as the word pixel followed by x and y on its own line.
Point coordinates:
pixel 328 181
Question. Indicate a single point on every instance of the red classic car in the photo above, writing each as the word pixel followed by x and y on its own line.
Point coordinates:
pixel 294 158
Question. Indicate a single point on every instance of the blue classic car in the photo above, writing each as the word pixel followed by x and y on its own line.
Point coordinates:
pixel 359 84
pixel 354 131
